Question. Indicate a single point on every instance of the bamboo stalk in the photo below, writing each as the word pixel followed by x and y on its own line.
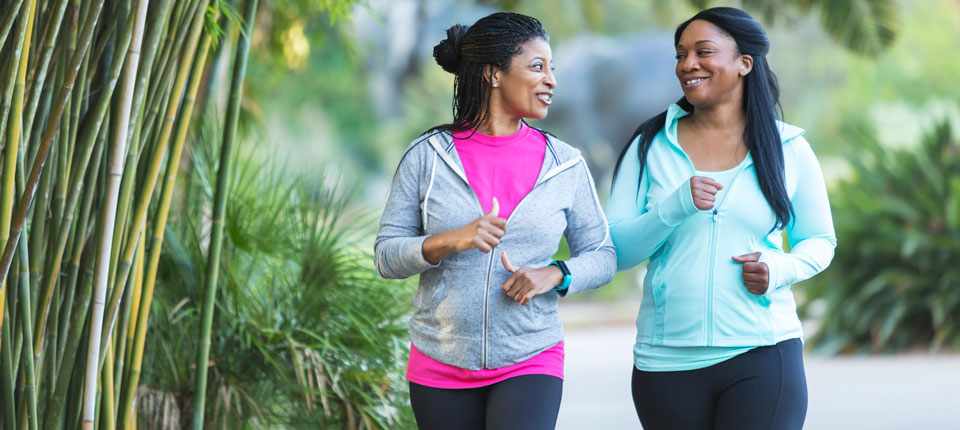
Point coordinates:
pixel 78 312
pixel 29 418
pixel 10 154
pixel 6 370
pixel 38 75
pixel 10 149
pixel 54 119
pixel 108 410
pixel 153 168
pixel 8 19
pixel 108 216
pixel 160 221
pixel 7 24
pixel 87 139
pixel 220 197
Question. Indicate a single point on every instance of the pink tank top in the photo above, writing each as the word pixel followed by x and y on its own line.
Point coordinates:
pixel 505 167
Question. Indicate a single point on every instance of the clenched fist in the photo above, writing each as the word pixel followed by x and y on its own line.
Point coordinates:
pixel 704 192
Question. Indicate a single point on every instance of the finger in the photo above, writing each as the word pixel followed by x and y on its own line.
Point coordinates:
pixel 525 293
pixel 506 262
pixel 498 222
pixel 758 268
pixel 752 257
pixel 756 291
pixel 508 284
pixel 494 231
pixel 480 244
pixel 709 189
pixel 703 204
pixel 488 238
pixel 526 299
pixel 514 289
pixel 495 210
pixel 712 183
pixel 705 197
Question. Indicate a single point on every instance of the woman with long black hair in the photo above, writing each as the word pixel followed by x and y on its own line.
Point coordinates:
pixel 705 191
pixel 477 209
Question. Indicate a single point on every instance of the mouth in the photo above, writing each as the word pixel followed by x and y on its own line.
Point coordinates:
pixel 693 82
pixel 545 97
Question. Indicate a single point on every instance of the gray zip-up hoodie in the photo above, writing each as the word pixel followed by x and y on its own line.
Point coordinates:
pixel 461 316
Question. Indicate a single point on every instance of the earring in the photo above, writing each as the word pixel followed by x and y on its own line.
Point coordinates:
pixel 495 85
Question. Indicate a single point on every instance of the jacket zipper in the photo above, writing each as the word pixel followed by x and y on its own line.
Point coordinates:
pixel 493 252
pixel 711 273
pixel 714 238
pixel 486 296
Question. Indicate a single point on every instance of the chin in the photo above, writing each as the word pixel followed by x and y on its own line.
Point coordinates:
pixel 539 114
pixel 695 99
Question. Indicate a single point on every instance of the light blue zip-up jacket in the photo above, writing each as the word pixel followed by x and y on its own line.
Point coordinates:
pixel 693 292
pixel 461 316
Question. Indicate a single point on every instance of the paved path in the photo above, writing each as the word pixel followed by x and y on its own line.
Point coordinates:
pixel 847 393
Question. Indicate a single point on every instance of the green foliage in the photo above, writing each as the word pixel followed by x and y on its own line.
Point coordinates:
pixel 893 283
pixel 306 333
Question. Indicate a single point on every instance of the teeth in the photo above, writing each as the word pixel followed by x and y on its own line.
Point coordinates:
pixel 544 97
pixel 694 81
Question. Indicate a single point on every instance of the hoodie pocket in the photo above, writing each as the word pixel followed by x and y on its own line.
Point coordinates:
pixel 658 286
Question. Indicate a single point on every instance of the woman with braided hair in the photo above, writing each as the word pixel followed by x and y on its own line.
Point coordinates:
pixel 477 209
pixel 705 191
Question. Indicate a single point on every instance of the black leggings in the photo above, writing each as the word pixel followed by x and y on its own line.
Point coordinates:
pixel 529 402
pixel 764 388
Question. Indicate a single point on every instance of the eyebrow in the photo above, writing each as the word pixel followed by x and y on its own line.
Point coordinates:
pixel 680 45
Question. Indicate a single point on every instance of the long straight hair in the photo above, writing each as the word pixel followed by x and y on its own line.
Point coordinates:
pixel 761 100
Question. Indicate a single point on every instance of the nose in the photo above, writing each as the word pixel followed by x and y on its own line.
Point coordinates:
pixel 550 79
pixel 689 64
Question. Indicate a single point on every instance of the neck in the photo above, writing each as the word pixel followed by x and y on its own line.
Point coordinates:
pixel 729 116
pixel 499 125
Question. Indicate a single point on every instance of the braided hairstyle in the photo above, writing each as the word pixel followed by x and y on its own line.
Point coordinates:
pixel 468 51
pixel 761 100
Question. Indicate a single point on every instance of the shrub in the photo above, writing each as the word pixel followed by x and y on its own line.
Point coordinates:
pixel 895 280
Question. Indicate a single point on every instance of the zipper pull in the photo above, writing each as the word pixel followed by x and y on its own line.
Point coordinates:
pixel 715 214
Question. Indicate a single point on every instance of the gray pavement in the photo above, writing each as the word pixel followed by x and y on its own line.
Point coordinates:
pixel 913 391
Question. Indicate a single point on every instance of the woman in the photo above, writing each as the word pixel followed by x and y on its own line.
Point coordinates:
pixel 469 200
pixel 704 191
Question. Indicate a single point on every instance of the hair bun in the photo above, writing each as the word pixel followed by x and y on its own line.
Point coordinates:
pixel 447 52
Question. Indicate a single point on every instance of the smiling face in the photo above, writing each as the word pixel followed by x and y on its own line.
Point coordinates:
pixel 525 88
pixel 710 68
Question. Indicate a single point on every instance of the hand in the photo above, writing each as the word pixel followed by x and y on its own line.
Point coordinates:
pixel 483 233
pixel 704 191
pixel 525 283
pixel 756 275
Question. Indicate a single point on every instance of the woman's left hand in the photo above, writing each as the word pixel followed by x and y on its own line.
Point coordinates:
pixel 525 283
pixel 756 275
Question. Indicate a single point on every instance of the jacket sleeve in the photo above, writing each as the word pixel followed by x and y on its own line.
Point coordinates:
pixel 398 249
pixel 593 259
pixel 638 233
pixel 810 232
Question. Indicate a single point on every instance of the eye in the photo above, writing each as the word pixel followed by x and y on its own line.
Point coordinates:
pixel 680 56
pixel 703 52
pixel 538 66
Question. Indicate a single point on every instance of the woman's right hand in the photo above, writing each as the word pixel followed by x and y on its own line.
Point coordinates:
pixel 704 192
pixel 483 233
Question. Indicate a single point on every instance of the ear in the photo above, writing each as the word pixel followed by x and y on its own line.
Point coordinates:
pixel 746 65
pixel 491 74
